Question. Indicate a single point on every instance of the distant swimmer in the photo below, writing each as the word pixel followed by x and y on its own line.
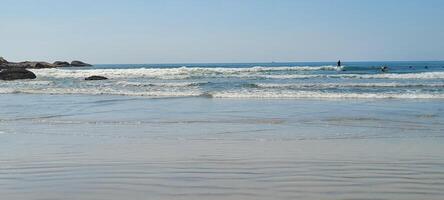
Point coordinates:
pixel 339 63
pixel 384 69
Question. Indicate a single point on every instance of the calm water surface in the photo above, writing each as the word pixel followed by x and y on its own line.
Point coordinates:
pixel 122 147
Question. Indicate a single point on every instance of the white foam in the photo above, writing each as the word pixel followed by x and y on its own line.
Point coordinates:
pixel 185 72
pixel 339 85
pixel 104 91
pixel 423 75
pixel 283 76
pixel 321 95
pixel 26 82
pixel 166 73
pixel 8 90
pixel 171 84
pixel 272 94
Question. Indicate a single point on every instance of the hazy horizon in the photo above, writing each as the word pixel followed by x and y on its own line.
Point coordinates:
pixel 246 62
pixel 242 62
pixel 141 32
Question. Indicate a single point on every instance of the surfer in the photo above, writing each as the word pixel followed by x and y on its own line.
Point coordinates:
pixel 384 69
pixel 339 63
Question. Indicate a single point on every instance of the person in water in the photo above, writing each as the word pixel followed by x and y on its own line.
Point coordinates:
pixel 339 63
pixel 384 69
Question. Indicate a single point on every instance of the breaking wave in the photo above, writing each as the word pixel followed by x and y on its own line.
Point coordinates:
pixel 260 94
pixel 254 72
pixel 340 85
pixel 232 82
pixel 323 95
pixel 171 84
pixel 423 75
pixel 169 73
pixel 103 91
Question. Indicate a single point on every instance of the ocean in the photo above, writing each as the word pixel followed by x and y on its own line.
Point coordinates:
pixel 246 80
pixel 225 131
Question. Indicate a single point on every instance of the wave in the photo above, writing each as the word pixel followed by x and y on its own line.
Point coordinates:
pixel 340 85
pixel 247 94
pixel 102 91
pixel 322 95
pixel 171 84
pixel 26 83
pixel 253 72
pixel 168 73
pixel 423 75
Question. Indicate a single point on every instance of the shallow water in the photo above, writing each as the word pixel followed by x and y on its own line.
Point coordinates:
pixel 119 147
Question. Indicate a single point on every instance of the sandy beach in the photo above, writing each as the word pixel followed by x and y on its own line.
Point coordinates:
pixel 114 147
pixel 222 100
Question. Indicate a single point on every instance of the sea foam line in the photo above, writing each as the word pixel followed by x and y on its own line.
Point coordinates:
pixel 422 75
pixel 247 94
pixel 162 72
pixel 170 84
pixel 102 91
pixel 254 72
pixel 322 95
pixel 339 85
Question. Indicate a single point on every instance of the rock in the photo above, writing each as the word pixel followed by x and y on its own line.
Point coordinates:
pixel 16 73
pixel 95 78
pixel 61 63
pixel 39 65
pixel 28 64
pixel 4 64
pixel 3 61
pixel 77 63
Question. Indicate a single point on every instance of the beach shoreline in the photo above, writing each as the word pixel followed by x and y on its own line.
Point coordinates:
pixel 114 147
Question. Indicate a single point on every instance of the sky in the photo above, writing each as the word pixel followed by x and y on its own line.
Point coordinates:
pixel 205 31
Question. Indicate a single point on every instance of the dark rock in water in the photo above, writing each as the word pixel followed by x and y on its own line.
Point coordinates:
pixel 28 64
pixel 16 73
pixel 4 64
pixel 40 65
pixel 95 78
pixel 3 61
pixel 77 63
pixel 61 63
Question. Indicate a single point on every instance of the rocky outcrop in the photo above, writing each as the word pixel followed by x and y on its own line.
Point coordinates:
pixel 77 63
pixel 27 64
pixel 39 65
pixel 16 73
pixel 95 78
pixel 4 64
pixel 61 64
pixel 3 61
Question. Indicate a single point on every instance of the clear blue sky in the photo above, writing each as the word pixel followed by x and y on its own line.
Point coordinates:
pixel 143 31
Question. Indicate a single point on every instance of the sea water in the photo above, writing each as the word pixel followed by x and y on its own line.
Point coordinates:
pixel 246 80
pixel 225 131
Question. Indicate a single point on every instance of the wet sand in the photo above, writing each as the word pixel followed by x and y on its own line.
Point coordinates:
pixel 114 147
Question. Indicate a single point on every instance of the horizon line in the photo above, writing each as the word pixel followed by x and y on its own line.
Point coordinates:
pixel 333 61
